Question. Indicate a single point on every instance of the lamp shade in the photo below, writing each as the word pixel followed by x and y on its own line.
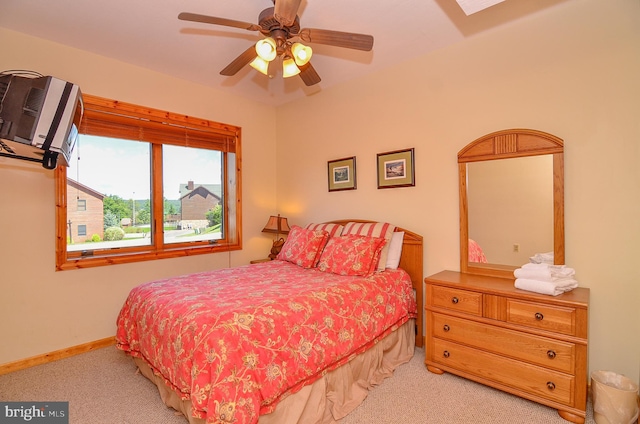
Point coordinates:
pixel 276 224
pixel 266 49
pixel 261 65
pixel 301 53
pixel 289 68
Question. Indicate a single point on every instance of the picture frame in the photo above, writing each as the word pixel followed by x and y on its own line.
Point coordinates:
pixel 342 174
pixel 396 169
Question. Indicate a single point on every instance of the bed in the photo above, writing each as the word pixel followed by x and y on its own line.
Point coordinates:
pixel 299 339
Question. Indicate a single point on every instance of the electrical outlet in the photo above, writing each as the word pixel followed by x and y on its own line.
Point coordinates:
pixel 516 247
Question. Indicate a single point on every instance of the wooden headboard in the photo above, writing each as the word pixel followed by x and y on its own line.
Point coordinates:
pixel 411 261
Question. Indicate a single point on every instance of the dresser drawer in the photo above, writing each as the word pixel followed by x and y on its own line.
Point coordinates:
pixel 557 319
pixel 457 300
pixel 529 378
pixel 537 350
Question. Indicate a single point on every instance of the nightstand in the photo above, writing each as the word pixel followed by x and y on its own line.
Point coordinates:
pixel 259 261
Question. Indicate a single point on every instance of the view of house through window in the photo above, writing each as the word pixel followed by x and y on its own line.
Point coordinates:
pixel 192 193
pixel 116 202
pixel 112 177
pixel 139 189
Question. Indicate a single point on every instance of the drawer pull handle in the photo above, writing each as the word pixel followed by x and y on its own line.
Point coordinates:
pixel 454 300
pixel 446 327
pixel 539 316
pixel 445 354
pixel 551 354
pixel 551 385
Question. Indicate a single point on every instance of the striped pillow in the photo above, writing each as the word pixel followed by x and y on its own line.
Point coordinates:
pixel 372 229
pixel 334 230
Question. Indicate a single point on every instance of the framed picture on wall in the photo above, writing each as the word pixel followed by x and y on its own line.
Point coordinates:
pixel 342 174
pixel 396 169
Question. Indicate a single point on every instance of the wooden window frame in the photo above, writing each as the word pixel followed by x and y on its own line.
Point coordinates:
pixel 105 117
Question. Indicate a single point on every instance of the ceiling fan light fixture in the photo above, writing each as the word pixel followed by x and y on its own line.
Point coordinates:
pixel 282 37
pixel 289 68
pixel 266 49
pixel 260 65
pixel 301 53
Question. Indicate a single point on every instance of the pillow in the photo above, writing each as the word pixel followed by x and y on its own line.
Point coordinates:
pixel 334 230
pixel 395 250
pixel 303 247
pixel 475 252
pixel 351 255
pixel 372 229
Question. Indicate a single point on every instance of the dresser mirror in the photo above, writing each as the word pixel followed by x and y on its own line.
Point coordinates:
pixel 511 201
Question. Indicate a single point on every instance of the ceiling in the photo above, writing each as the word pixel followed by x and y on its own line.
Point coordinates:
pixel 147 33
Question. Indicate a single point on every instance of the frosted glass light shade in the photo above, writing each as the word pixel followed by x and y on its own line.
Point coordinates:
pixel 301 53
pixel 260 65
pixel 266 49
pixel 289 68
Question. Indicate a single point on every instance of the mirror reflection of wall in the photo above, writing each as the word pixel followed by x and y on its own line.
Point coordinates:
pixel 511 213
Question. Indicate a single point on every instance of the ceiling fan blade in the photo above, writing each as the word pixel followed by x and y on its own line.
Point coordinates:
pixel 194 17
pixel 309 74
pixel 348 40
pixel 285 11
pixel 240 62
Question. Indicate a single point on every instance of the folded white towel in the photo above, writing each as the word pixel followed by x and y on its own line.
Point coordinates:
pixel 542 258
pixel 544 272
pixel 546 287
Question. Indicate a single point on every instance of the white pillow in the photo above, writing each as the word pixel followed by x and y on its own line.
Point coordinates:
pixel 395 250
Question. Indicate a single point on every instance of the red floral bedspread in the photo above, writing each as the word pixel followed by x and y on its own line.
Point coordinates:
pixel 236 341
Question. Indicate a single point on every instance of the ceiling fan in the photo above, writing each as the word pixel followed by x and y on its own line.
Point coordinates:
pixel 283 39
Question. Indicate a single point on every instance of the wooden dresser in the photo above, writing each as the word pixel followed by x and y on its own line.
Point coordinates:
pixel 531 345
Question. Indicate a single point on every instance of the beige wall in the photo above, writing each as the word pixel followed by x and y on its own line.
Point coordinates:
pixel 572 71
pixel 42 310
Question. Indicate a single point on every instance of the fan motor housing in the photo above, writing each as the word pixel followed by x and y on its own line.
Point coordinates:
pixel 268 23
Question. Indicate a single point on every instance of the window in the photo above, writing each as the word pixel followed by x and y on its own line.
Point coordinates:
pixel 151 185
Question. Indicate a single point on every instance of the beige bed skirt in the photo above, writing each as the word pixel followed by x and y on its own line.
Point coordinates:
pixel 331 397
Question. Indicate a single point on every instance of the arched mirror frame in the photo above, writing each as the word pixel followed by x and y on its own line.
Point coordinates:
pixel 512 143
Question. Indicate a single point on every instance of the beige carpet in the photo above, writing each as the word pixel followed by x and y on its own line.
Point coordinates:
pixel 122 396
